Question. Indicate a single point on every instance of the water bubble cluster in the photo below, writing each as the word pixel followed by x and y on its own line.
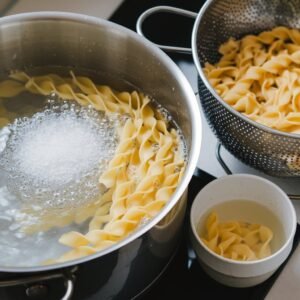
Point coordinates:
pixel 54 158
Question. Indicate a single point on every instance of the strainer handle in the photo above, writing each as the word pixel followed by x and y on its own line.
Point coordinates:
pixel 168 9
pixel 220 159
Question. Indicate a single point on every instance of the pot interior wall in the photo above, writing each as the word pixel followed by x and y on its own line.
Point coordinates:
pixel 105 53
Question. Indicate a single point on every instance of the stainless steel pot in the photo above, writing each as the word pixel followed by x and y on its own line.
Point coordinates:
pixel 72 41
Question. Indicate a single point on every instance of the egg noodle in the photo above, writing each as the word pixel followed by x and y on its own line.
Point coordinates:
pixel 237 240
pixel 258 76
pixel 143 174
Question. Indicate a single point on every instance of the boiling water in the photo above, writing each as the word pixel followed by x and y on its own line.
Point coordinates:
pixel 248 211
pixel 50 160
pixel 51 156
pixel 56 156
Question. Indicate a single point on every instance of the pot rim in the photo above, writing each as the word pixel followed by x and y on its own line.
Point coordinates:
pixel 195 122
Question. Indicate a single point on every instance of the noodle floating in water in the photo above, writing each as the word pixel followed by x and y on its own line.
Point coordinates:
pixel 258 76
pixel 146 167
pixel 237 240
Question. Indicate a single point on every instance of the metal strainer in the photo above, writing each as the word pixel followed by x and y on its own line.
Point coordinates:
pixel 266 149
pixel 273 152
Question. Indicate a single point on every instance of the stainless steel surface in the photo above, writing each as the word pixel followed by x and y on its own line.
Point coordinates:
pixel 34 289
pixel 79 42
pixel 69 289
pixel 273 152
pixel 165 9
pixel 5 5
pixel 220 159
pixel 30 280
pixel 37 291
pixel 96 8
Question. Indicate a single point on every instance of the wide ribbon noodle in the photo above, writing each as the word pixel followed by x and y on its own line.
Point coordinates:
pixel 259 77
pixel 142 176
pixel 237 240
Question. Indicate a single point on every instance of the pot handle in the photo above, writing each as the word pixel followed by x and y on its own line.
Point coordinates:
pixel 36 287
pixel 168 9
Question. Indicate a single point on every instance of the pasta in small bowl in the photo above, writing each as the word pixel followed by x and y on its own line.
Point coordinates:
pixel 242 229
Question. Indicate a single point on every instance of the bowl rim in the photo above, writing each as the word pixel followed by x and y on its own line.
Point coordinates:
pixel 289 239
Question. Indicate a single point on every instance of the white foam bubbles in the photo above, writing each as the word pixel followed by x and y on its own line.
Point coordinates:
pixel 54 158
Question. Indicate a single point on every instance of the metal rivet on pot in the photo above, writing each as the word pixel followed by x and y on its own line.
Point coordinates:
pixel 37 291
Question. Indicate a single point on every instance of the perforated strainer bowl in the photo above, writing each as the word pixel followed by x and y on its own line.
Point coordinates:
pixel 271 151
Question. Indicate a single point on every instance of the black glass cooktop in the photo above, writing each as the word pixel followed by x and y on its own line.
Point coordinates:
pixel 184 278
pixel 163 28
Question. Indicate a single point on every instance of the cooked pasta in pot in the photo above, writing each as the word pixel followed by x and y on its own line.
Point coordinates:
pixel 141 177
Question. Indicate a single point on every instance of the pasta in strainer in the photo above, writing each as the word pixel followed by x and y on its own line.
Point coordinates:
pixel 259 77
pixel 143 174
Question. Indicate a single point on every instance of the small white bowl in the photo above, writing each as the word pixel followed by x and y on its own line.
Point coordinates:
pixel 260 192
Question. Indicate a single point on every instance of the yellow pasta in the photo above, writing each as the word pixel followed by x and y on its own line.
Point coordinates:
pixel 237 240
pixel 259 77
pixel 140 178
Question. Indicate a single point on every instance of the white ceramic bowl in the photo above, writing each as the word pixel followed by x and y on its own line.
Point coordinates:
pixel 260 192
